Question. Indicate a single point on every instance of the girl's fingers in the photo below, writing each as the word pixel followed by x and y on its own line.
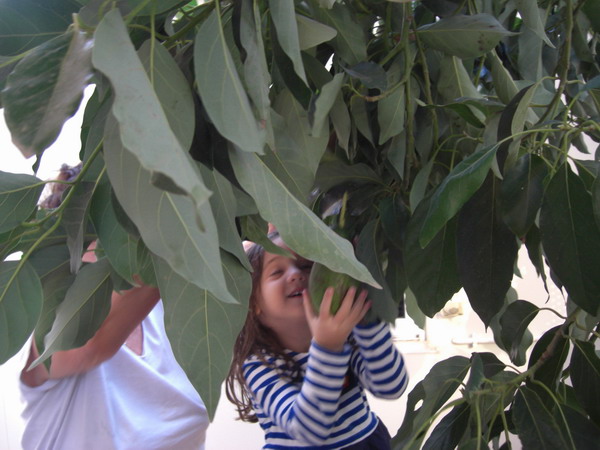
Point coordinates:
pixel 308 308
pixel 347 301
pixel 325 309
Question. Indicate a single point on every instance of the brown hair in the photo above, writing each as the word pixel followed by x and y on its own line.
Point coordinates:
pixel 255 339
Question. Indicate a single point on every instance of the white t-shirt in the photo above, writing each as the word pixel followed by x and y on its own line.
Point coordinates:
pixel 129 402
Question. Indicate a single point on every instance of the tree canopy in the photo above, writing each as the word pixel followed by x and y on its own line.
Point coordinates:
pixel 438 132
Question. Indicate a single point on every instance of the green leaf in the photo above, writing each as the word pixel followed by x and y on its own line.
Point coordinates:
pixel 335 172
pixel 391 113
pixel 455 190
pixel 370 74
pixel 74 220
pixel 350 42
pixel 431 271
pixel 223 205
pixel 420 184
pixel 301 230
pixel 312 33
pixel 550 372
pixel 166 222
pixel 146 124
pixel 430 394
pixel 221 90
pixel 514 322
pixel 201 328
pixel 535 425
pixel 504 84
pixel 83 310
pixel 25 24
pixel 256 70
pixel 19 194
pixel 255 229
pixel 521 193
pixel 20 305
pixel 454 81
pixel 306 149
pixel 284 19
pixel 413 310
pixel 533 18
pixel 571 238
pixel 360 117
pixel 464 36
pixel 486 251
pixel 592 11
pixel 585 433
pixel 321 105
pixel 45 89
pixel 448 433
pixel 52 265
pixel 368 251
pixel 585 376
pixel 120 247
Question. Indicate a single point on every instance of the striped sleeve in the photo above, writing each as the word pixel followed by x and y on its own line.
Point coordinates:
pixel 379 365
pixel 305 411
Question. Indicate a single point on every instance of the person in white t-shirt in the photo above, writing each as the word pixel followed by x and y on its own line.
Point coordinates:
pixel 123 389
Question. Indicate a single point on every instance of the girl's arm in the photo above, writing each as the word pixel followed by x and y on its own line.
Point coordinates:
pixel 378 364
pixel 305 411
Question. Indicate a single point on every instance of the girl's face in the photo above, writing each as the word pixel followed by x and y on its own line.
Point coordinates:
pixel 282 281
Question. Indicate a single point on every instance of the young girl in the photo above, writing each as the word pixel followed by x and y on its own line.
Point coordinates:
pixel 303 373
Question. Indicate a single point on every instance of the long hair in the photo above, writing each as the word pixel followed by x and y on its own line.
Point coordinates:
pixel 258 340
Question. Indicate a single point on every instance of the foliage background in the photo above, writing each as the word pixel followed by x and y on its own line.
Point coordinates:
pixel 414 146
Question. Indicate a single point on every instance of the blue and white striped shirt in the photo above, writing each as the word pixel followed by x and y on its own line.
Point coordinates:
pixel 328 409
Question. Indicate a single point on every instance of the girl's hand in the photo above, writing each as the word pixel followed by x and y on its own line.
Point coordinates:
pixel 331 331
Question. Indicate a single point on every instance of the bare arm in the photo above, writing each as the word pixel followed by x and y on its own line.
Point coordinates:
pixel 127 311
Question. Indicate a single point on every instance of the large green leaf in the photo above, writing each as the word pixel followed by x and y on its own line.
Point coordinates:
pixel 448 433
pixel 504 84
pixel 308 149
pixel 74 220
pixel 455 190
pixel 25 24
pixel 223 204
pixel 335 172
pixel 201 328
pixel 369 251
pixel 551 370
pixel 284 19
pixel 571 238
pixel 19 194
pixel 150 123
pixel 120 246
pixel 585 375
pixel 167 222
pixel 301 230
pixel 321 105
pixel 432 271
pixel 464 36
pixel 52 265
pixel 86 305
pixel 221 90
pixel 350 41
pixel 521 193
pixel 454 80
pixel 486 251
pixel 312 33
pixel 533 18
pixel 427 397
pixel 514 322
pixel 45 89
pixel 256 70
pixel 585 433
pixel 20 305
pixel 391 112
pixel 536 426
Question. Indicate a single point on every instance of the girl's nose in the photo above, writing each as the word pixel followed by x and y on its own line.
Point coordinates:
pixel 295 274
